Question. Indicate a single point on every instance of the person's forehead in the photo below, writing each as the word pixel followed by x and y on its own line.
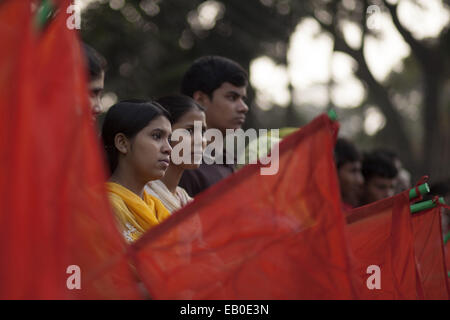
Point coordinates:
pixel 382 181
pixel 98 82
pixel 229 87
pixel 193 114
pixel 161 123
pixel 350 165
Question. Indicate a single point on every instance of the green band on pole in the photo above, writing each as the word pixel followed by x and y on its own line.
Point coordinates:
pixel 447 237
pixel 44 13
pixel 423 189
pixel 332 114
pixel 424 205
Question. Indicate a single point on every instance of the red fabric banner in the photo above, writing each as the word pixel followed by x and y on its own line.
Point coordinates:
pixel 381 235
pixel 447 261
pixel 261 236
pixel 55 214
pixel 447 254
pixel 249 237
pixel 429 252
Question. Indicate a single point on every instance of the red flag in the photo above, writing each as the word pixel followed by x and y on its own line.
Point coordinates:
pixel 262 236
pixel 58 231
pixel 381 236
pixel 447 250
pixel 447 258
pixel 429 252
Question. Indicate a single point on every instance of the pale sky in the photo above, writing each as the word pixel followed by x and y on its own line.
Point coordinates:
pixel 312 64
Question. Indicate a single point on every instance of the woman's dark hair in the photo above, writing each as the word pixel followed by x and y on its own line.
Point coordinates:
pixel 127 117
pixel 178 105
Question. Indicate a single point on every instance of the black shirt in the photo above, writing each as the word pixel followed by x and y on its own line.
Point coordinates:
pixel 197 180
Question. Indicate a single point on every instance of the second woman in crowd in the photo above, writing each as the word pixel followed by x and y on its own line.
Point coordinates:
pixel 184 113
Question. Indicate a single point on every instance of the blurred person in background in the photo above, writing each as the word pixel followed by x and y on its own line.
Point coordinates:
pixel 97 66
pixel 351 180
pixel 380 177
pixel 403 181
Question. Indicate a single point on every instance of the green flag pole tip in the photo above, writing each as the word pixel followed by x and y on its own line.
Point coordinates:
pixel 44 13
pixel 332 114
pixel 423 189
pixel 447 237
pixel 424 205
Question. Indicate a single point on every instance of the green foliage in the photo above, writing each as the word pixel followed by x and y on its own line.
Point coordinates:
pixel 148 56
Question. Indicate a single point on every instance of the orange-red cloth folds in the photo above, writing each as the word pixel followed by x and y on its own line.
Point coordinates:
pixel 380 234
pixel 429 250
pixel 447 260
pixel 263 237
pixel 55 212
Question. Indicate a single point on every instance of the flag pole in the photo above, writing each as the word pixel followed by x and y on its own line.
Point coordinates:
pixel 332 114
pixel 44 13
pixel 423 189
pixel 447 237
pixel 424 205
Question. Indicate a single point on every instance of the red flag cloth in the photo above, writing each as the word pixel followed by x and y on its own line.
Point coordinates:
pixel 447 260
pixel 429 252
pixel 381 235
pixel 447 251
pixel 261 236
pixel 55 214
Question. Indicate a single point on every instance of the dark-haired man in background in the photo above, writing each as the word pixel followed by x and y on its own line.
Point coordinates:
pixel 380 176
pixel 220 85
pixel 403 180
pixel 348 163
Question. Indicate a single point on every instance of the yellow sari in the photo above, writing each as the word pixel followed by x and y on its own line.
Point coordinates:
pixel 135 215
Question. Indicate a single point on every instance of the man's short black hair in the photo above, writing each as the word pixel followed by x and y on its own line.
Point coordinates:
pixel 378 164
pixel 345 151
pixel 208 73
pixel 96 62
pixel 392 155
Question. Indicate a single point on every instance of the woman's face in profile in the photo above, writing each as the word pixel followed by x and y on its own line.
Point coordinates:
pixel 149 155
pixel 193 138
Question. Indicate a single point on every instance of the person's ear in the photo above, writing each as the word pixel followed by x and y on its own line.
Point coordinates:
pixel 122 143
pixel 201 98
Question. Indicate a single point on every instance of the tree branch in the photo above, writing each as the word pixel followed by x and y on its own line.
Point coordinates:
pixel 376 90
pixel 364 25
pixel 418 48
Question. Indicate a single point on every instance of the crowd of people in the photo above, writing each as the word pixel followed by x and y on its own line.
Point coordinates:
pixel 145 186
pixel 369 177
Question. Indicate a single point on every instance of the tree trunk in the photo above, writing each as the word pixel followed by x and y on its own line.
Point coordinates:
pixel 436 159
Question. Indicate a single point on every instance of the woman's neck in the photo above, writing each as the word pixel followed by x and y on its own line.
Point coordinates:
pixel 128 181
pixel 172 177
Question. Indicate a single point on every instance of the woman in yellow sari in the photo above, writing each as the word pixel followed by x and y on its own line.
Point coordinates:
pixel 136 138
